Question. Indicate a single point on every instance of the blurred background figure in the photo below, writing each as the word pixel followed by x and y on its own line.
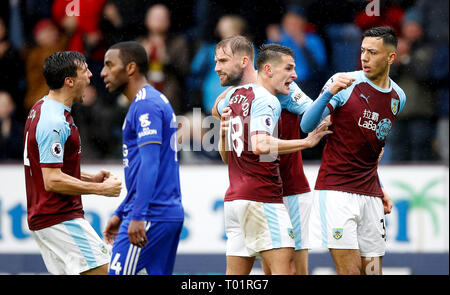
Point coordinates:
pixel 121 21
pixel 11 70
pixel 99 126
pixel 168 56
pixel 80 21
pixel 325 35
pixel 11 129
pixel 390 14
pixel 48 40
pixel 434 15
pixel 413 132
pixel 204 84
pixel 310 52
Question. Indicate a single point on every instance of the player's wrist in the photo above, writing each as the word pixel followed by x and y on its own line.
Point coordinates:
pixel 333 89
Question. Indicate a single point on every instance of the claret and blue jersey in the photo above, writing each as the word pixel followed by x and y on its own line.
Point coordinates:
pixel 51 140
pixel 150 160
pixel 362 116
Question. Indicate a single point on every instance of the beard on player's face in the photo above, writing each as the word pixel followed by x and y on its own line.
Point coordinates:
pixel 233 79
pixel 120 82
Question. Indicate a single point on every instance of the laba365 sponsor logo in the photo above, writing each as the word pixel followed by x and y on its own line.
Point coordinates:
pixel 369 120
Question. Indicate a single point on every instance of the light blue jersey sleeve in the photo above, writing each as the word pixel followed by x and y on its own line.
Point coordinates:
pixel 223 103
pixel 52 132
pixel 342 96
pixel 264 114
pixel 318 110
pixel 401 95
pixel 296 101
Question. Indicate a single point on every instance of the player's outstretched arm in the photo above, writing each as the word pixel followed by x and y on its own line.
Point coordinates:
pixel 266 144
pixel 318 110
pixel 57 181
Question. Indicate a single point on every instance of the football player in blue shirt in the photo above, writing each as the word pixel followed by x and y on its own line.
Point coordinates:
pixel 146 227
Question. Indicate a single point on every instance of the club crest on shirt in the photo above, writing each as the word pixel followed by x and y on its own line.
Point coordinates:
pixel 338 233
pixel 394 105
pixel 56 149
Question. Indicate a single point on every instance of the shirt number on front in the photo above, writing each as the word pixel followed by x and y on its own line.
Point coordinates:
pixel 235 139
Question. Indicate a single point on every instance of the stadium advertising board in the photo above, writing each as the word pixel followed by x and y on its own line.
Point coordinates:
pixel 419 222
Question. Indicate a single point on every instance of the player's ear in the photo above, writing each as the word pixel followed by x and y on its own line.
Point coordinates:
pixel 392 55
pixel 245 61
pixel 131 68
pixel 69 82
pixel 268 70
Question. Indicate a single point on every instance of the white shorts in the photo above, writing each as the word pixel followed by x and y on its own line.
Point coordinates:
pixel 341 220
pixel 299 209
pixel 71 247
pixel 252 227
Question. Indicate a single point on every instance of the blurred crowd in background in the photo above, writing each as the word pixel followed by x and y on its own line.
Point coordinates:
pixel 180 36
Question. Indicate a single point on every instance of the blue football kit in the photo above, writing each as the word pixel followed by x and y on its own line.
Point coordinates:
pixel 153 187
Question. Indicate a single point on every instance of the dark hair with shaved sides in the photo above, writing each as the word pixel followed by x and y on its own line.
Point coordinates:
pixel 272 52
pixel 386 33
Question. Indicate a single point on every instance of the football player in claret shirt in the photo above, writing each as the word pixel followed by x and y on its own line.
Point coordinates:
pixel 146 227
pixel 297 195
pixel 256 221
pixel 349 202
pixel 54 182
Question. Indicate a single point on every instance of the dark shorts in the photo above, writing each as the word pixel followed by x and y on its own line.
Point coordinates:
pixel 158 256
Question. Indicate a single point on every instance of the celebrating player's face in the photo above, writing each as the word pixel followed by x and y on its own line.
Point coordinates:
pixel 283 74
pixel 113 72
pixel 82 81
pixel 375 57
pixel 228 67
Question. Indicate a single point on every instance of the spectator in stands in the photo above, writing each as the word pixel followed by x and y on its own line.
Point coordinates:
pixel 121 22
pixel 32 11
pixel 11 70
pixel 82 23
pixel 168 56
pixel 99 130
pixel 390 14
pixel 309 48
pixel 435 19
pixel 413 131
pixel 203 75
pixel 80 20
pixel 11 130
pixel 48 40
